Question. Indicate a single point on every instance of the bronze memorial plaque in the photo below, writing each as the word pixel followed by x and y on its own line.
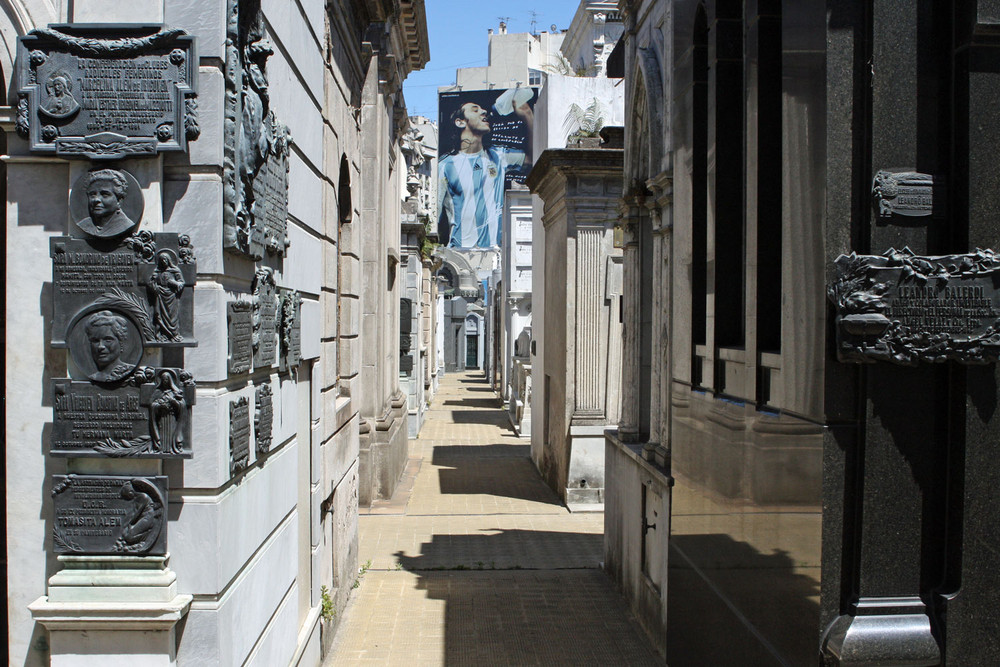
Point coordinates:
pixel 104 514
pixel 270 190
pixel 147 277
pixel 255 142
pixel 291 329
pixel 265 319
pixel 905 193
pixel 263 420
pixel 106 203
pixel 239 434
pixel 149 416
pixel 107 91
pixel 239 316
pixel 904 308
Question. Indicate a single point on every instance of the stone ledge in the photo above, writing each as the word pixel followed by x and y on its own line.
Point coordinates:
pixel 635 452
pixel 109 615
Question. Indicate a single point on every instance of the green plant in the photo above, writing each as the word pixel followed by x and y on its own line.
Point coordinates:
pixel 561 65
pixel 427 246
pixel 588 122
pixel 326 611
pixel 361 573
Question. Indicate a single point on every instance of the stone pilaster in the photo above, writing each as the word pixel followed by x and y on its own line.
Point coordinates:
pixel 628 427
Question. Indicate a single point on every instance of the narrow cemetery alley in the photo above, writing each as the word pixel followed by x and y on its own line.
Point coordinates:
pixel 474 560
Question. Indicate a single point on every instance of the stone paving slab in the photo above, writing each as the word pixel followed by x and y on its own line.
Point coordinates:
pixel 462 483
pixel 567 617
pixel 475 561
pixel 483 542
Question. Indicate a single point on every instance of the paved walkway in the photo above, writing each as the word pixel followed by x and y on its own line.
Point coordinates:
pixel 475 561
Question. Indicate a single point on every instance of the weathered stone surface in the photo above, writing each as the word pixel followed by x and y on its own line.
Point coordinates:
pixel 195 205
pixel 107 92
pixel 205 20
pixel 98 514
pixel 311 332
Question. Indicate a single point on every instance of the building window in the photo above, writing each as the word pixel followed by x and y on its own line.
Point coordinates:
pixel 769 182
pixel 345 206
pixel 534 77
pixel 729 203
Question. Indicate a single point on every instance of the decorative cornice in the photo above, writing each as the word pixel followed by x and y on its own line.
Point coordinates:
pixel 574 161
pixel 413 20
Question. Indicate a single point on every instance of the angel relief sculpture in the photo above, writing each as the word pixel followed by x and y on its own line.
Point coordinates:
pixel 146 520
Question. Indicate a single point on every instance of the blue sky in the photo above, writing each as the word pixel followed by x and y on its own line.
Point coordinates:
pixel 458 38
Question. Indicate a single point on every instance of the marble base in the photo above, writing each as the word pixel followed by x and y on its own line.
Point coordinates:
pixel 882 631
pixel 112 610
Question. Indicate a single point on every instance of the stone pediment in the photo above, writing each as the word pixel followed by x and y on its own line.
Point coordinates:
pixel 467 281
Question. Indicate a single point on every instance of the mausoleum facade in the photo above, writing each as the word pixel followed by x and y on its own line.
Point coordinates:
pixel 189 190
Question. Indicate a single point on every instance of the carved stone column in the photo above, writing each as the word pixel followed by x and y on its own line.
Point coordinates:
pixel 662 221
pixel 628 428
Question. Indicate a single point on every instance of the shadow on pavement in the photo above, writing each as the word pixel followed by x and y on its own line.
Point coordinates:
pixel 496 549
pixel 512 616
pixel 480 403
pixel 496 470
pixel 494 417
pixel 446 454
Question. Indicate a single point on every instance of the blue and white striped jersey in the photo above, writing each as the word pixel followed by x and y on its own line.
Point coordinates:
pixel 471 190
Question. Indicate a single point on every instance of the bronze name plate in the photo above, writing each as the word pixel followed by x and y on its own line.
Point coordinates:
pixel 905 308
pixel 239 316
pixel 239 435
pixel 103 514
pixel 149 416
pixel 107 91
pixel 263 420
pixel 147 277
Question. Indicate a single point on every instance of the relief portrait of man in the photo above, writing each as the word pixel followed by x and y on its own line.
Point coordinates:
pixel 106 189
pixel 59 102
pixel 108 337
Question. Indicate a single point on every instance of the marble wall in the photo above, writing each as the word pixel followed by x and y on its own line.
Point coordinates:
pixel 253 547
pixel 580 189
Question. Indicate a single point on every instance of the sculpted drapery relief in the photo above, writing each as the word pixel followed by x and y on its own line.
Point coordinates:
pixel 255 157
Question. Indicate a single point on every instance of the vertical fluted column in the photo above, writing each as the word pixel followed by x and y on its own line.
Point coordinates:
pixel 589 393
